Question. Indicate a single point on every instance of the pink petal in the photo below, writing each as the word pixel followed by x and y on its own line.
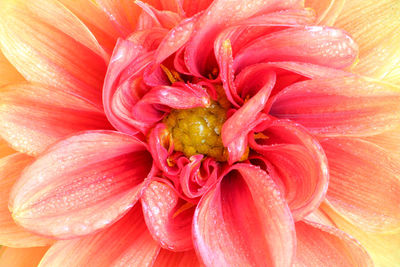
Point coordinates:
pixel 152 106
pixel 305 44
pixel 299 161
pixel 319 245
pixel 81 184
pixel 10 233
pixel 364 185
pixel 340 106
pixel 48 44
pixel 176 259
pixel 244 221
pixel 165 19
pixel 166 217
pixel 53 114
pixel 126 243
pixel 220 14
pixel 243 120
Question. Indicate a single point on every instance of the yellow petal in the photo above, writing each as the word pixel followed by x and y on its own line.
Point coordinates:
pixel 47 43
pixel 383 248
pixel 21 257
pixel 8 74
pixel 375 26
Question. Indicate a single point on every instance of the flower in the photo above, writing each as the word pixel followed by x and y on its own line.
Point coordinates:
pixel 175 133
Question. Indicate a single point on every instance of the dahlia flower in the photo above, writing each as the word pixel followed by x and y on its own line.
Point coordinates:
pixel 199 133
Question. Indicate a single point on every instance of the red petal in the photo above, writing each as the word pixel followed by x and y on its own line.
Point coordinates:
pixel 166 217
pixel 10 233
pixel 126 243
pixel 220 14
pixel 299 161
pixel 305 44
pixel 192 7
pixel 340 106
pixel 53 114
pixel 81 184
pixel 319 245
pixel 173 259
pixel 365 184
pixel 48 44
pixel 244 221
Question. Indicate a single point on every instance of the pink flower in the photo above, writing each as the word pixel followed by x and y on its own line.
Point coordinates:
pixel 194 132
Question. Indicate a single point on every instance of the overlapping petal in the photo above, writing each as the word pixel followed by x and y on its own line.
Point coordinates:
pixel 11 234
pixel 46 43
pixel 168 218
pixel 53 114
pixel 125 243
pixel 341 106
pixel 244 221
pixel 81 184
pixel 320 245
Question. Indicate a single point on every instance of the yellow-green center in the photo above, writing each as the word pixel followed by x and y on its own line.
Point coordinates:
pixel 198 131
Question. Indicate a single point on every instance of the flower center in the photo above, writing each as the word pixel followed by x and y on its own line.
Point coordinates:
pixel 198 130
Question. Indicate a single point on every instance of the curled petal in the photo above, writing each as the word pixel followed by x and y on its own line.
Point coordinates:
pixel 304 44
pixel 81 184
pixel 152 106
pixel 351 105
pixel 299 161
pixel 126 243
pixel 244 221
pixel 168 218
pixel 164 18
pixel 222 13
pixel 176 259
pixel 48 44
pixel 319 245
pixel 53 114
pixel 365 183
pixel 10 233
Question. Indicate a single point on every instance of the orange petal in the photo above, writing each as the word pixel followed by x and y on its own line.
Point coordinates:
pixel 374 26
pixel 319 245
pixel 33 116
pixel 10 233
pixel 327 10
pixel 81 184
pixel 168 258
pixel 5 148
pixel 8 74
pixel 389 140
pixel 364 183
pixel 96 20
pixel 21 257
pixel 48 44
pixel 125 243
pixel 383 248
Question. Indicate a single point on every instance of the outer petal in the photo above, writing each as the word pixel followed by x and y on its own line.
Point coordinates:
pixel 125 243
pixel 244 221
pixel 319 245
pixel 383 248
pixel 48 44
pixel 299 161
pixel 81 184
pixel 173 259
pixel 11 234
pixel 33 116
pixel 365 183
pixel 376 32
pixel 167 217
pixel 8 74
pixel 304 44
pixel 389 140
pixel 351 105
pixel 21 257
